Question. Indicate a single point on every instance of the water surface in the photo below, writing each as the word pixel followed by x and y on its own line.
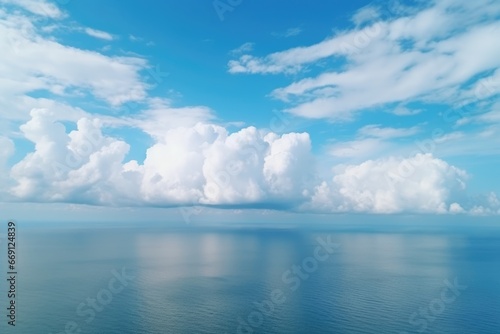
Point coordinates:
pixel 192 280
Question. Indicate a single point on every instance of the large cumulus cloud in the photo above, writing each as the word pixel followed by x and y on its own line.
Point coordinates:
pixel 205 164
pixel 421 183
pixel 79 166
pixel 199 164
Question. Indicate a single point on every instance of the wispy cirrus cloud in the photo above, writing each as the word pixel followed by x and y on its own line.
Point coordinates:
pixel 411 57
pixel 99 34
pixel 375 130
pixel 372 141
pixel 245 47
pixel 290 32
pixel 37 7
pixel 34 62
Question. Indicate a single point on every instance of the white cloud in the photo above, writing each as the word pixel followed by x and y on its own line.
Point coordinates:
pixel 377 131
pixel 204 164
pixel 404 111
pixel 198 164
pixel 244 48
pixel 288 33
pixel 159 117
pixel 359 148
pixel 492 116
pixel 289 166
pixel 134 38
pixel 99 34
pixel 453 136
pixel 38 7
pixel 365 15
pixel 292 60
pixel 456 208
pixel 32 62
pixel 488 206
pixel 7 149
pixel 14 108
pixel 372 141
pixel 471 143
pixel 293 32
pixel 67 167
pixel 421 183
pixel 412 57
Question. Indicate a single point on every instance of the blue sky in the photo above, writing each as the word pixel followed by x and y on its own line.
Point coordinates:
pixel 248 107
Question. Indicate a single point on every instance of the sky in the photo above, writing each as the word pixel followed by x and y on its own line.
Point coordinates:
pixel 249 109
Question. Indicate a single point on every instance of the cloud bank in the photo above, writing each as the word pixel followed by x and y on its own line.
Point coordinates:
pixel 205 164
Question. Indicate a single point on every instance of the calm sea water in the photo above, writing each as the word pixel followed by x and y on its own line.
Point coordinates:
pixel 192 280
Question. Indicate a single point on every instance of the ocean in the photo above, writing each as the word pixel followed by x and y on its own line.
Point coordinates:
pixel 159 279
